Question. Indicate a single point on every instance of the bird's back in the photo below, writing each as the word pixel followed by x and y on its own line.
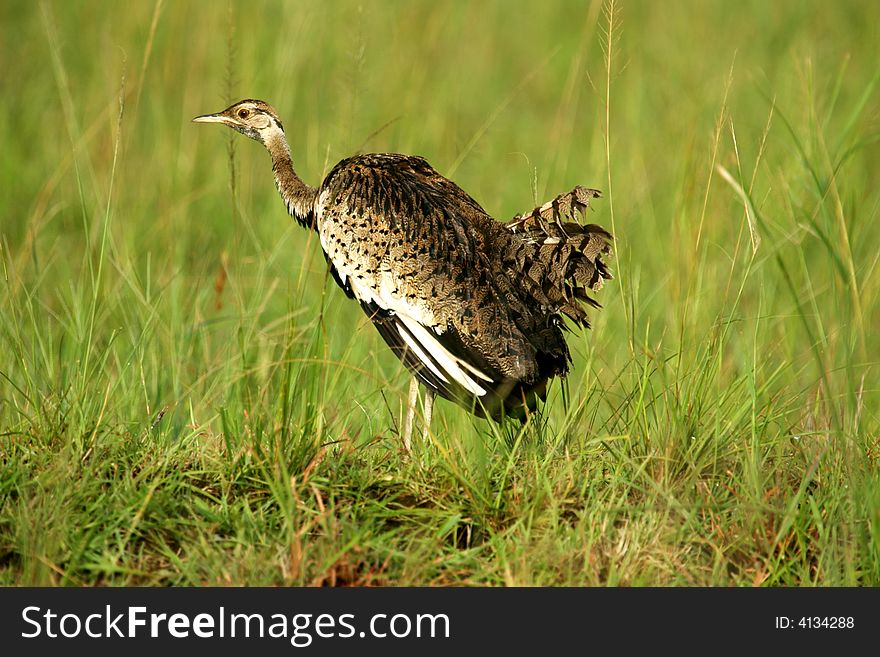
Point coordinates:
pixel 461 298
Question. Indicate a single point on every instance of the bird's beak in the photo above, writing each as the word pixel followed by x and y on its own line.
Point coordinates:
pixel 211 118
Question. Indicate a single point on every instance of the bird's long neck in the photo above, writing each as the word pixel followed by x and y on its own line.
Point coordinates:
pixel 297 195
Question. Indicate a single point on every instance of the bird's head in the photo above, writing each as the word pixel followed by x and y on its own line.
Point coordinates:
pixel 254 118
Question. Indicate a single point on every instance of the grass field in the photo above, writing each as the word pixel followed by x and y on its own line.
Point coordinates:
pixel 187 398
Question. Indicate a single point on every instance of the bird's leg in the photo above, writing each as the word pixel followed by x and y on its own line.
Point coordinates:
pixel 410 414
pixel 429 410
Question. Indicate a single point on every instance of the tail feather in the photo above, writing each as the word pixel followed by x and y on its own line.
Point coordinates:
pixel 560 257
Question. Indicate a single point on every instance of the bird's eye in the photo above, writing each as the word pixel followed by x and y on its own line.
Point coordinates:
pixel 243 113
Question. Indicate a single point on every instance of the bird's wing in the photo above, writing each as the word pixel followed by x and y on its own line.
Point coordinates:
pixel 411 247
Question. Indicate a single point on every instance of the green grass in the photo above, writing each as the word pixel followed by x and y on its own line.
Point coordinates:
pixel 186 398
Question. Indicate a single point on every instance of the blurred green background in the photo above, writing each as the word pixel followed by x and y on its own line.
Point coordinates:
pixel 182 387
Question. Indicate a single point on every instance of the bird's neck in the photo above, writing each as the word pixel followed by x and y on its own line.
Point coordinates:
pixel 297 195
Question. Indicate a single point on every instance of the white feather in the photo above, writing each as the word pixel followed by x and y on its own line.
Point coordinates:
pixel 415 316
pixel 446 360
pixel 419 353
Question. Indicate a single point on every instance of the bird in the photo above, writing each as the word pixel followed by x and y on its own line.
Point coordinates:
pixel 472 306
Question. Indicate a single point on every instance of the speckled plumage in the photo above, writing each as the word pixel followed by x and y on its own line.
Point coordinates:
pixel 472 306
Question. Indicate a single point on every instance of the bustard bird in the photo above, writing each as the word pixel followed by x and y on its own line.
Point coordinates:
pixel 472 306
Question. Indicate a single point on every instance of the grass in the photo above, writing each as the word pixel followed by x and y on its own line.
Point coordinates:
pixel 186 398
